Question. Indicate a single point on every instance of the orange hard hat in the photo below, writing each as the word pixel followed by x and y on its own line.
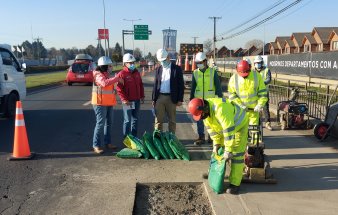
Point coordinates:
pixel 195 108
pixel 243 68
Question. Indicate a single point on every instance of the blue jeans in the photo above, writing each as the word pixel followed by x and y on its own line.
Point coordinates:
pixel 104 118
pixel 200 128
pixel 130 118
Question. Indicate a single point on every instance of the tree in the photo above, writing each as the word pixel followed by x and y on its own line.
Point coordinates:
pixel 255 42
pixel 207 45
pixel 117 53
pixel 28 49
pixel 137 54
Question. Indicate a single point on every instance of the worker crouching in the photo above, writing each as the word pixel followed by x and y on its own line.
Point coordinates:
pixel 227 125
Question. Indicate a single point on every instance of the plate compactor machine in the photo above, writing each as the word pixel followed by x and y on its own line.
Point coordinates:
pixel 257 167
pixel 291 114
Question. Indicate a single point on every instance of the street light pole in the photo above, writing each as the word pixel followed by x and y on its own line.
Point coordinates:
pixel 104 26
pixel 132 25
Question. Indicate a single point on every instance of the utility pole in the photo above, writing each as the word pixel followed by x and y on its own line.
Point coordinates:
pixel 215 18
pixel 195 39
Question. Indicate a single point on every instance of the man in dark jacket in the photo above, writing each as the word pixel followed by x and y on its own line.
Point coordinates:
pixel 168 91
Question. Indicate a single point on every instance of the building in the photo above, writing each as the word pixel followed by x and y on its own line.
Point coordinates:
pixel 333 40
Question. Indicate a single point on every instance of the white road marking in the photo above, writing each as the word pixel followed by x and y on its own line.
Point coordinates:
pixel 87 103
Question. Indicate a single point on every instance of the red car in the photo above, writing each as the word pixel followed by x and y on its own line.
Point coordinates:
pixel 81 71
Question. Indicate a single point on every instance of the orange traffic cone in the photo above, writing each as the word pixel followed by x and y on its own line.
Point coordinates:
pixel 193 64
pixel 179 63
pixel 21 150
pixel 186 65
pixel 143 72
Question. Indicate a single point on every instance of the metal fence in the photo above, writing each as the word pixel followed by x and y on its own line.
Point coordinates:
pixel 316 95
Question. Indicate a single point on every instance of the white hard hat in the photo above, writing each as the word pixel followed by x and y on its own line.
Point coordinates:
pixel 127 58
pixel 248 60
pixel 104 61
pixel 258 59
pixel 161 54
pixel 200 56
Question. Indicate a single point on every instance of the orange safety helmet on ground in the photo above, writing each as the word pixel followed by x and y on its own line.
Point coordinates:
pixel 243 68
pixel 195 108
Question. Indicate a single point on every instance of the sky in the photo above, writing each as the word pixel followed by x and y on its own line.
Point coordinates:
pixel 74 23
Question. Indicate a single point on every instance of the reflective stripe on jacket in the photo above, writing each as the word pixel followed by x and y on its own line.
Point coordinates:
pixel 224 121
pixel 248 91
pixel 205 87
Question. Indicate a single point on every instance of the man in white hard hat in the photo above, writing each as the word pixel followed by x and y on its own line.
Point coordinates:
pixel 167 92
pixel 131 94
pixel 205 84
pixel 266 76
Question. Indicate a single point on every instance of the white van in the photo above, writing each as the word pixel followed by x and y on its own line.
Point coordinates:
pixel 12 81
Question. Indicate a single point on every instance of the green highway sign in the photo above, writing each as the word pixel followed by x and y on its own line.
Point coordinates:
pixel 141 32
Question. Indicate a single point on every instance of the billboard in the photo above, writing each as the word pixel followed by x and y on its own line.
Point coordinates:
pixel 103 34
pixel 312 64
pixel 169 40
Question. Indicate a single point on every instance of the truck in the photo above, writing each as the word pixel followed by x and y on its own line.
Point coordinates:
pixel 12 81
pixel 191 49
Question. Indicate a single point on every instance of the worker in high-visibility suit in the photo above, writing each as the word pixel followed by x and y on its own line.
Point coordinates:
pixel 247 90
pixel 227 125
pixel 266 76
pixel 205 84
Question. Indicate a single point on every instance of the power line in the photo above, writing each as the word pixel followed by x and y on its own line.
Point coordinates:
pixel 261 22
pixel 254 17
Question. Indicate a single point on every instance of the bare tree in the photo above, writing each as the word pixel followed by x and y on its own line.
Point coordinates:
pixel 255 42
pixel 207 45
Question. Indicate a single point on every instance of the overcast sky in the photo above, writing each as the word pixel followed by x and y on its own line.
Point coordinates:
pixel 74 23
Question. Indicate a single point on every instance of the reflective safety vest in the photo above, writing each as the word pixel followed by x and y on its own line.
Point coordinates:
pixel 264 73
pixel 224 121
pixel 205 83
pixel 103 96
pixel 248 91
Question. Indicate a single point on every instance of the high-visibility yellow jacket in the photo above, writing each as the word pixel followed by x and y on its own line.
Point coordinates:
pixel 248 91
pixel 224 121
pixel 205 87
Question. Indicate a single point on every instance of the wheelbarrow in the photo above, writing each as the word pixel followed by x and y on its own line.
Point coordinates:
pixel 322 129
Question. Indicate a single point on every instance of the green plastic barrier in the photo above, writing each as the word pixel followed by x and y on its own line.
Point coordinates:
pixel 129 153
pixel 134 143
pixel 166 145
pixel 148 142
pixel 217 172
pixel 178 148
pixel 158 144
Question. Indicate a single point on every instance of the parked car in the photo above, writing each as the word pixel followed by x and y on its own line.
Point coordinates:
pixel 81 71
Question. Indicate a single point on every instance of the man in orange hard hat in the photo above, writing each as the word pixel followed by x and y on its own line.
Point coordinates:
pixel 227 125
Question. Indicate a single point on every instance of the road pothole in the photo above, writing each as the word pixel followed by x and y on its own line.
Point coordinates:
pixel 171 198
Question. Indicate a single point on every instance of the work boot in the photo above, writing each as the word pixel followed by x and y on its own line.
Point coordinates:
pixel 199 141
pixel 268 126
pixel 111 146
pixel 232 189
pixel 98 150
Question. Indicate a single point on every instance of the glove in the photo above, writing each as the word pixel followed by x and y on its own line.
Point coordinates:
pixel 227 156
pixel 215 149
pixel 258 108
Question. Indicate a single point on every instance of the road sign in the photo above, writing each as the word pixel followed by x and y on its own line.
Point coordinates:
pixel 141 32
pixel 103 34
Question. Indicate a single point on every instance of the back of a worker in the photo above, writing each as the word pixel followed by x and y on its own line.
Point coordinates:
pixel 247 90
pixel 227 125
pixel 205 84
